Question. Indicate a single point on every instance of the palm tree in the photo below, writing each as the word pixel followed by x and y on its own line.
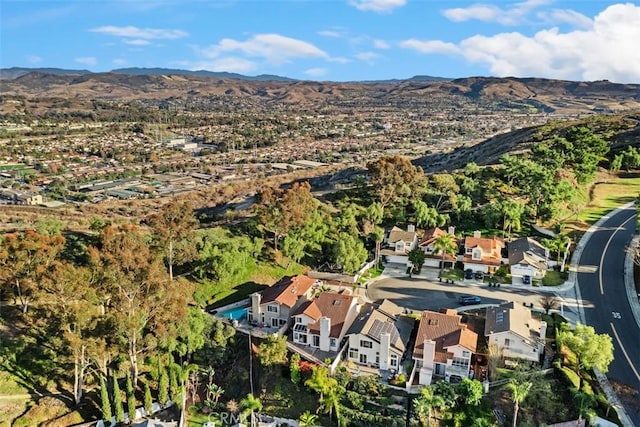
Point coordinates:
pixel 331 403
pixel 250 404
pixel 214 391
pixel 519 392
pixel 445 244
pixel 424 404
pixel 307 419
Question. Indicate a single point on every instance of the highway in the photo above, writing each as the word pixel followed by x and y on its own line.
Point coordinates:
pixel 605 303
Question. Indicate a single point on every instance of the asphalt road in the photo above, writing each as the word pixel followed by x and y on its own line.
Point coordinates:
pixel 606 307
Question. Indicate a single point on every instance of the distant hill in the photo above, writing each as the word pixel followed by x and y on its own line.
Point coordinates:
pixel 201 73
pixel 15 72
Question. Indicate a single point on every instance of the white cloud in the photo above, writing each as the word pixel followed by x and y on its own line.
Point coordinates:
pixel 87 60
pixel 606 50
pixel 274 48
pixel 339 60
pixel 568 16
pixel 514 15
pixel 381 44
pixel 119 61
pixel 378 6
pixel 368 57
pixel 138 42
pixel 33 59
pixel 316 72
pixel 330 33
pixel 430 46
pixel 140 33
pixel 229 64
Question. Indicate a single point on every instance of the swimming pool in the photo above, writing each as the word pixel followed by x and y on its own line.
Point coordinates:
pixel 234 313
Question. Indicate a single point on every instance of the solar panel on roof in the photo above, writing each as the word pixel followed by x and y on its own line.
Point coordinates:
pixel 378 328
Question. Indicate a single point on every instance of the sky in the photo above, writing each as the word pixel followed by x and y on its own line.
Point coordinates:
pixel 330 40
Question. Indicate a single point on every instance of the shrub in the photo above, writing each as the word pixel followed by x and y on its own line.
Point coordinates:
pixel 570 377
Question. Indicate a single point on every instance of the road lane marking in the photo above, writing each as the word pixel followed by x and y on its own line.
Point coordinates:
pixel 604 252
pixel 624 351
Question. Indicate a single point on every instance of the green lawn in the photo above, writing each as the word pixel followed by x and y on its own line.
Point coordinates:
pixel 609 195
pixel 554 278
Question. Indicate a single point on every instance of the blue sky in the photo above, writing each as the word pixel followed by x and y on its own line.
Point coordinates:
pixel 336 40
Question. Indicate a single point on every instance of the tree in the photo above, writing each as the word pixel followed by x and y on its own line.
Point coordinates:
pixel 320 381
pixel 163 387
pixel 294 368
pixel 616 163
pixel 549 302
pixel 307 419
pixel 592 350
pixel 26 260
pixel 416 258
pixel 148 400
pixel 137 292
pixel 512 215
pixel 175 223
pixel 273 350
pixel 470 391
pixel 215 392
pixel 49 227
pixel 394 180
pixel 427 216
pixel 519 392
pixel 349 252
pixel 104 401
pixel 117 401
pixel 249 405
pixel 131 400
pixel 377 235
pixel 445 244
pixel 280 211
pixel 425 403
pixel 331 403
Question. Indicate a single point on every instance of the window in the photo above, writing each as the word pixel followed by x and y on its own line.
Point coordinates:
pixel 477 253
pixel 353 353
pixel 507 342
pixel 282 322
pixel 332 342
pixel 298 320
pixel 275 322
pixel 394 360
pixel 465 353
pixel 460 362
pixel 363 359
pixel 316 340
pixel 377 360
pixel 272 308
pixel 366 344
pixel 468 250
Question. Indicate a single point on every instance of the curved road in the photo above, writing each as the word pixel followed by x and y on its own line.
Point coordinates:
pixel 605 303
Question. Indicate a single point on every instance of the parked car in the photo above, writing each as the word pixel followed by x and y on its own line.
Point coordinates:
pixel 468 273
pixel 469 300
pixel 478 275
pixel 526 280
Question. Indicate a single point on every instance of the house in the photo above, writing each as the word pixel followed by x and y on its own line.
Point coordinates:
pixel 483 253
pixel 443 348
pixel 515 332
pixel 528 258
pixel 379 336
pixel 273 306
pixel 324 321
pixel 398 244
pixel 432 257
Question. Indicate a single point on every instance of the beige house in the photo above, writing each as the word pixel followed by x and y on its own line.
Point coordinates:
pixel 398 244
pixel 427 244
pixel 324 321
pixel 379 336
pixel 515 332
pixel 528 258
pixel 273 306
pixel 483 253
pixel 444 346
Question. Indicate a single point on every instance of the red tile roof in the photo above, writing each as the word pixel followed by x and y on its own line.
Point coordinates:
pixel 332 305
pixel 288 290
pixel 446 329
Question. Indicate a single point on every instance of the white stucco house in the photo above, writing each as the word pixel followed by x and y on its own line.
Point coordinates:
pixel 324 321
pixel 528 258
pixel 273 306
pixel 515 333
pixel 399 243
pixel 483 253
pixel 379 337
pixel 427 244
pixel 444 347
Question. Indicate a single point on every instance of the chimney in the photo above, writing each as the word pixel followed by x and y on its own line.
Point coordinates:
pixel 325 329
pixel 255 306
pixel 429 353
pixel 477 234
pixel 543 330
pixel 411 228
pixel 385 354
pixel 451 230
